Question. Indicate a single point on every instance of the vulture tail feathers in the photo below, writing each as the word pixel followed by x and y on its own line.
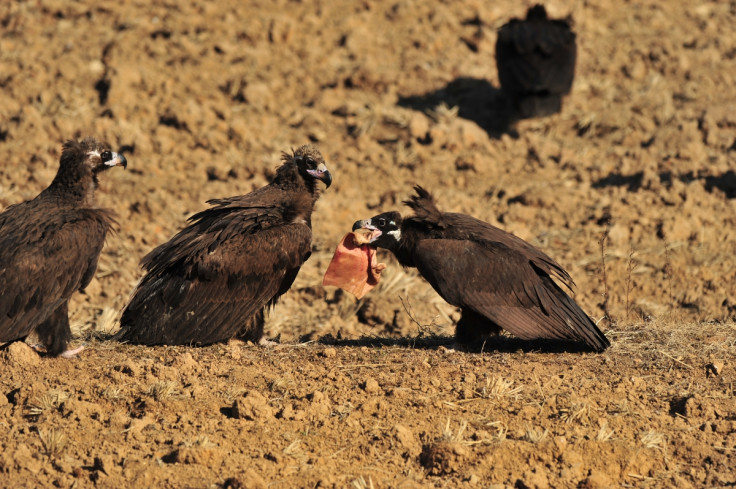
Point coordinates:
pixel 570 318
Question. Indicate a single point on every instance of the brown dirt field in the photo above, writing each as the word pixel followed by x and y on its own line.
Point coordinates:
pixel 631 188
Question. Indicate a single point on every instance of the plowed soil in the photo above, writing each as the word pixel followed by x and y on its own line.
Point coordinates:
pixel 632 188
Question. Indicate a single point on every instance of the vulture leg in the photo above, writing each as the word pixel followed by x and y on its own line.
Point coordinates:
pixel 473 328
pixel 54 333
pixel 253 328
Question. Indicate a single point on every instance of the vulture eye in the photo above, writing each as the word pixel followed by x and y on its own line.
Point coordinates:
pixel 381 222
pixel 106 156
pixel 310 161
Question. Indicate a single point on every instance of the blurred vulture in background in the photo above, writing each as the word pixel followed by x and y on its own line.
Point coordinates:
pixel 212 281
pixel 535 58
pixel 49 247
pixel 499 281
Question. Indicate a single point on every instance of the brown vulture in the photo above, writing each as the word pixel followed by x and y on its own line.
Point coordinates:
pixel 499 281
pixel 535 58
pixel 213 280
pixel 49 247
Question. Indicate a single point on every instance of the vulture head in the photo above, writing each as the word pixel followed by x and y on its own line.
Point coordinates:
pixel 82 161
pixel 90 154
pixel 310 165
pixel 386 229
pixel 537 12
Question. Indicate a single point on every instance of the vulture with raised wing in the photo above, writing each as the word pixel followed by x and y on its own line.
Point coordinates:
pixel 213 280
pixel 49 247
pixel 498 280
pixel 535 58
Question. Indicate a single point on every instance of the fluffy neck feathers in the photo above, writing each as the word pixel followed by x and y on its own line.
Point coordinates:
pixel 74 183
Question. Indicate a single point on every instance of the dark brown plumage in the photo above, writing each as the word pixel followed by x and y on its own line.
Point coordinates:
pixel 535 58
pixel 498 280
pixel 213 280
pixel 49 247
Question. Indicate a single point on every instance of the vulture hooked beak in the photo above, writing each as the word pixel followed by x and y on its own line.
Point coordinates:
pixel 322 173
pixel 366 224
pixel 116 159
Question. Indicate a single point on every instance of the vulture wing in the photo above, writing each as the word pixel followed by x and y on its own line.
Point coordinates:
pixel 507 286
pixel 205 284
pixel 46 257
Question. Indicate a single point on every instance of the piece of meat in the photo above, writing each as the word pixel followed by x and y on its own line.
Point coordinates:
pixel 353 267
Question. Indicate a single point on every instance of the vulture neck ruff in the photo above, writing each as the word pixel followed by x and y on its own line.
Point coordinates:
pixel 75 183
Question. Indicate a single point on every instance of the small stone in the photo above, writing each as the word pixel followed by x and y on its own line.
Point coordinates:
pixel 329 352
pixel 371 386
pixel 596 479
pixel 418 125
pixel 560 443
pixel 184 363
pixel 254 406
pixel 19 353
pixel 406 440
pixel 532 479
pixel 234 348
pixel 200 454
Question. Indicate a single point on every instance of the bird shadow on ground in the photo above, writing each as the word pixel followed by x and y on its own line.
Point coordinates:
pixel 497 344
pixel 476 100
pixel 726 182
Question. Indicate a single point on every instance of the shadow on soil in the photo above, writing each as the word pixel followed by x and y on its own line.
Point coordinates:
pixel 498 344
pixel 476 100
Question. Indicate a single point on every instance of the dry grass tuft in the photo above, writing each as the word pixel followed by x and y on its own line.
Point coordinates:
pixel 54 441
pixel 498 388
pixel 107 322
pixel 405 156
pixel 360 483
pixel 498 437
pixel 396 281
pixel 162 390
pixel 367 118
pixel 631 267
pixel 48 402
pixel 232 393
pixel 578 412
pixel 444 114
pixel 666 345
pixel 604 433
pixel 111 393
pixel 654 440
pixel 535 434
pixel 200 441
pixel 602 243
pixel 295 450
pixel 449 436
pixel 282 385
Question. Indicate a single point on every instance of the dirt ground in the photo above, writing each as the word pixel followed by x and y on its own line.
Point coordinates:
pixel 632 188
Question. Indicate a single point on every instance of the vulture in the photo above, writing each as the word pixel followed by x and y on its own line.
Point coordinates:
pixel 214 279
pixel 49 247
pixel 535 58
pixel 498 280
